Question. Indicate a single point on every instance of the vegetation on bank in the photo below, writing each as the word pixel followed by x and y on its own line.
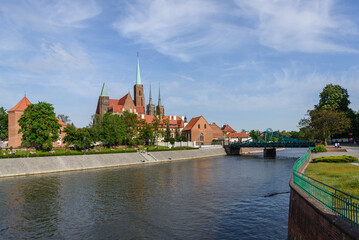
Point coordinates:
pixel 9 153
pixel 319 148
pixel 336 159
pixel 340 175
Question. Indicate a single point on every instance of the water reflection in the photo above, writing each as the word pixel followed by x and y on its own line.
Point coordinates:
pixel 213 198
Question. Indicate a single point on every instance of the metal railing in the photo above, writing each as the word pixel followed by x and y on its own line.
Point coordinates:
pixel 341 203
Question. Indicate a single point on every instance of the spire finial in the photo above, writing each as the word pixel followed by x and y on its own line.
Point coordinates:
pixel 159 94
pixel 138 76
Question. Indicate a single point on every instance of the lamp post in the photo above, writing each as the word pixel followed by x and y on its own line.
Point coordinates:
pixel 84 143
pixel 27 146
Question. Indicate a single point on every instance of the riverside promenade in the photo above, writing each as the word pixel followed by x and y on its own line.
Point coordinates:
pixel 38 165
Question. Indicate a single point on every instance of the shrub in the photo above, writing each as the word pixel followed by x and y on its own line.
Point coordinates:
pixel 319 148
pixel 336 159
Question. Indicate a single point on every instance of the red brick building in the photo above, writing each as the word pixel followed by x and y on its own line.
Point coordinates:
pixel 199 130
pixel 14 115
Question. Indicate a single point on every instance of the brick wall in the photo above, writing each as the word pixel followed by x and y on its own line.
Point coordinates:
pixel 309 220
pixel 14 137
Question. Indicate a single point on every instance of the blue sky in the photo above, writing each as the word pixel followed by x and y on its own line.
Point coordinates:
pixel 252 64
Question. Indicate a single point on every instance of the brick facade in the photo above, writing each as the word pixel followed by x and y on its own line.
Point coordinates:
pixel 199 130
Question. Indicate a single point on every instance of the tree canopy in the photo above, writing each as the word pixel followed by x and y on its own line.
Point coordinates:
pixel 334 97
pixel 39 126
pixel 113 129
pixel 323 123
pixel 3 123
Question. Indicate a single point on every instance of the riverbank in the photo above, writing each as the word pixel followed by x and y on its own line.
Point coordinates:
pixel 38 165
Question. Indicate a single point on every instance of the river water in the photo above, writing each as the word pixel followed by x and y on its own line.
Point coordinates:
pixel 213 198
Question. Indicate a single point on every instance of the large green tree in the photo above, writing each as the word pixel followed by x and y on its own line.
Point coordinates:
pixel 3 123
pixel 39 126
pixel 131 123
pixel 113 130
pixel 323 123
pixel 334 97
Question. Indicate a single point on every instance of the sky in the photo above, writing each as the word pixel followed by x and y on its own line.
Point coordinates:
pixel 251 64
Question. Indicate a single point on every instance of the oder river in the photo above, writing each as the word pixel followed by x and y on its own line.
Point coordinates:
pixel 212 198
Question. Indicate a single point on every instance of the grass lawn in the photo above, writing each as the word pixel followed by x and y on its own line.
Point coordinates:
pixel 343 176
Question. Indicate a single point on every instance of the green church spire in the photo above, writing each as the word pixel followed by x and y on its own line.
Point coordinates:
pixel 150 95
pixel 159 95
pixel 104 92
pixel 138 76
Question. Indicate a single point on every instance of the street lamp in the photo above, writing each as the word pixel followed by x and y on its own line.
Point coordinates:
pixel 84 143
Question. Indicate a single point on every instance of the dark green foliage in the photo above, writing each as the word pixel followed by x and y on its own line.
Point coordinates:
pixel 334 97
pixel 320 148
pixel 39 124
pixel 254 135
pixel 3 123
pixel 146 134
pixel 131 124
pixel 336 159
pixel 79 139
pixel 113 131
pixel 323 123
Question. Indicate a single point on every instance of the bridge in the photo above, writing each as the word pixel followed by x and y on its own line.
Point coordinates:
pixel 270 140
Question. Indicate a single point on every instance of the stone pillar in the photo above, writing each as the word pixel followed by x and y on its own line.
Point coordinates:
pixel 270 152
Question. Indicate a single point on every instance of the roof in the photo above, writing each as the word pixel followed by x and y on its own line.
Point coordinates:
pixel 138 76
pixel 104 92
pixel 238 135
pixel 140 110
pixel 178 123
pixel 117 104
pixel 228 128
pixel 62 123
pixel 21 106
pixel 191 123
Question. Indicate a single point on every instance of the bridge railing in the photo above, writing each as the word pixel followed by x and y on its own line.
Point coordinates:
pixel 344 205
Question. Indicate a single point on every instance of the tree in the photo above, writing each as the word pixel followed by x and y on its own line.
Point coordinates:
pixel 78 138
pixel 334 97
pixel 254 135
pixel 39 126
pixel 146 134
pixel 323 123
pixel 131 123
pixel 4 129
pixel 64 118
pixel 113 130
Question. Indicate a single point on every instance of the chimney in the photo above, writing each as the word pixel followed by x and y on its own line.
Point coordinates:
pixel 142 116
pixel 174 117
pixel 182 117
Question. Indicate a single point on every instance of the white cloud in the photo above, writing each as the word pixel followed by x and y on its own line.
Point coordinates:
pixel 183 29
pixel 299 25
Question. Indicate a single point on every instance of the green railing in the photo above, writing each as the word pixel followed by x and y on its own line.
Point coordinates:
pixel 341 203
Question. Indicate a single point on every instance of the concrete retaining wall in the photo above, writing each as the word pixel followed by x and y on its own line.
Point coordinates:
pixel 36 165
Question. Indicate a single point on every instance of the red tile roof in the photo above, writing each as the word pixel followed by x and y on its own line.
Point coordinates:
pixel 238 135
pixel 228 129
pixel 21 106
pixel 140 110
pixel 62 123
pixel 191 123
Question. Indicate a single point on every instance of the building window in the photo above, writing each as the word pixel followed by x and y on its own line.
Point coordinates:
pixel 199 125
pixel 201 137
pixel 205 126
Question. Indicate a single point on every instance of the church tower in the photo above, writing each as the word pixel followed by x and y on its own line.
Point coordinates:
pixel 160 109
pixel 150 107
pixel 103 101
pixel 139 98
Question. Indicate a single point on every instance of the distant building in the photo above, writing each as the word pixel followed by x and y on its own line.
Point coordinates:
pixel 126 103
pixel 237 137
pixel 217 131
pixel 199 130
pixel 14 115
pixel 137 106
pixel 227 129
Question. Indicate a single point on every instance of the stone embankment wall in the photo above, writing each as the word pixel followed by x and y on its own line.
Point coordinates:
pixel 308 219
pixel 35 165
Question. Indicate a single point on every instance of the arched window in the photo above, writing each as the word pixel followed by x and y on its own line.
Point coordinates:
pixel 201 138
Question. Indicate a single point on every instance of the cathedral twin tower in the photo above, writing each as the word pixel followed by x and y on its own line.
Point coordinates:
pixel 137 105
